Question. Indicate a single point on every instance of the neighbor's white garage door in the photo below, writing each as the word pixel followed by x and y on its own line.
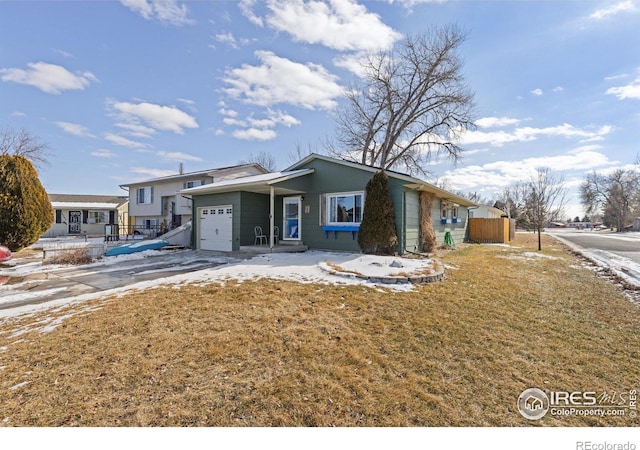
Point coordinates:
pixel 216 228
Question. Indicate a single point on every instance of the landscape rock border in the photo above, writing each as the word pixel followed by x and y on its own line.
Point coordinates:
pixel 390 279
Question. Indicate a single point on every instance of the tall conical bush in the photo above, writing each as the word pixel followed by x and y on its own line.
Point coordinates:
pixel 25 209
pixel 378 228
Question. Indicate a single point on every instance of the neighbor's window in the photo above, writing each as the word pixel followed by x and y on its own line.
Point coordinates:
pixel 150 224
pixel 145 195
pixel 97 217
pixel 345 208
pixel 190 184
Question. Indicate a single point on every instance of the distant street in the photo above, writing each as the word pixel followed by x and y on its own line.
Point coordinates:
pixel 620 251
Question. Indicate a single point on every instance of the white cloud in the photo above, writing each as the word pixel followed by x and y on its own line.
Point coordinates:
pixel 150 172
pixel 103 153
pixel 18 114
pixel 246 7
pixel 342 25
pixel 280 80
pixel 495 176
pixel 491 122
pixel 75 129
pixel 234 122
pixel 537 92
pixel 610 10
pixel 527 134
pixel 228 112
pixel 134 130
pixel 178 156
pixel 227 38
pixel 122 141
pixel 631 90
pixel 164 118
pixel 168 12
pixel 49 78
pixel 254 134
pixel 262 129
pixel 558 89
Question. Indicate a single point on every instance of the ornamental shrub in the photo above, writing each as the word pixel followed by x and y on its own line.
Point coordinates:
pixel 378 228
pixel 25 209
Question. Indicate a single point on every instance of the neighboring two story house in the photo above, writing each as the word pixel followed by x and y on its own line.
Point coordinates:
pixel 156 204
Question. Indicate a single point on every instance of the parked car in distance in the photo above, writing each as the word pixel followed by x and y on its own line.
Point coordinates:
pixel 5 254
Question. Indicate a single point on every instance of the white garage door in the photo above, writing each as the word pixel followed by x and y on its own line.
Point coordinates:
pixel 216 228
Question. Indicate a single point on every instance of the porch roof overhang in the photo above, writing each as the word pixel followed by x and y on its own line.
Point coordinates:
pixel 261 184
pixel 440 193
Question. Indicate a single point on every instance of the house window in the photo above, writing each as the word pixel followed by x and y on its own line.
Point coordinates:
pixel 97 217
pixel 58 216
pixel 145 196
pixel 345 209
pixel 150 224
pixel 190 184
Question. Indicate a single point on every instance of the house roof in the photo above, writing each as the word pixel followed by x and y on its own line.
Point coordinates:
pixel 262 183
pixel 191 175
pixel 255 183
pixel 71 201
pixel 412 182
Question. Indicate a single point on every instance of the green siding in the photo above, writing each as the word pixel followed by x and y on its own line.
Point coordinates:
pixel 412 221
pixel 250 209
pixel 458 230
pixel 329 178
pixel 254 211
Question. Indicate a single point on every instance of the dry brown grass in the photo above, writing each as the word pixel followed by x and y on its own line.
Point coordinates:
pixel 456 353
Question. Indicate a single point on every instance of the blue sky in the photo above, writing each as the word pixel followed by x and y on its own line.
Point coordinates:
pixel 124 91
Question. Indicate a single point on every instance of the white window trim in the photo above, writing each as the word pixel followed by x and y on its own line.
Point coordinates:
pixel 150 202
pixel 343 194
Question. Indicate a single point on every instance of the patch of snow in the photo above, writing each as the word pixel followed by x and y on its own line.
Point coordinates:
pixel 301 267
pixel 19 296
pixel 534 255
pixel 19 385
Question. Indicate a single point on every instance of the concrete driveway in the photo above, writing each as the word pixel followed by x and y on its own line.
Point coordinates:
pixel 30 282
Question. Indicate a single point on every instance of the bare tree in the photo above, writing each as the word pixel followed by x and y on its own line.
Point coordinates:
pixel 512 201
pixel 300 153
pixel 545 200
pixel 264 159
pixel 616 195
pixel 23 143
pixel 410 104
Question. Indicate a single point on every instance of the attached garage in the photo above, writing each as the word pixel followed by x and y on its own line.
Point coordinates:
pixel 216 228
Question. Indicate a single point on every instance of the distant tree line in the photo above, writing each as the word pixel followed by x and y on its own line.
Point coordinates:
pixel 615 196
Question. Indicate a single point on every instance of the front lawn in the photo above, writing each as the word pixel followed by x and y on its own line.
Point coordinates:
pixel 274 353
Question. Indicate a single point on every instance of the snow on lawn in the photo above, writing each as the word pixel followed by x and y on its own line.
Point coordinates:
pixel 300 267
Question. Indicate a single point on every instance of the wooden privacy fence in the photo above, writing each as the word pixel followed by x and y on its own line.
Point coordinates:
pixel 491 231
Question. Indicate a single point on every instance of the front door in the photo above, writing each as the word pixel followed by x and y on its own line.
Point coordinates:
pixel 75 219
pixel 291 219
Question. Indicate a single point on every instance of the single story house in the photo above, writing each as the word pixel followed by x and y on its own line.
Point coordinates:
pixel 486 212
pixel 156 204
pixel 86 214
pixel 318 202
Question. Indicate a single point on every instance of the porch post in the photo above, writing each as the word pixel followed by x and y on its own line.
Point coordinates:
pixel 271 212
